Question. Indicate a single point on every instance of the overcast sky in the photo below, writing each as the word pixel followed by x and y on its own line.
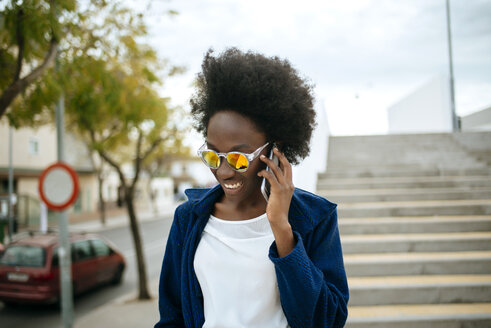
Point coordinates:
pixel 362 55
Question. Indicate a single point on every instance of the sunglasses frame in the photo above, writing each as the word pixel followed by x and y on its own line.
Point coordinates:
pixel 250 157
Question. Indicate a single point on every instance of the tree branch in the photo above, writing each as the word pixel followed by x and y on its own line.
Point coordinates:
pixel 152 148
pixel 108 159
pixel 137 159
pixel 18 86
pixel 20 44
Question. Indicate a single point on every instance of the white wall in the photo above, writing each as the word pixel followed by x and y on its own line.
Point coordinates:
pixel 163 189
pixel 427 109
pixel 478 121
pixel 195 169
pixel 305 174
pixel 23 157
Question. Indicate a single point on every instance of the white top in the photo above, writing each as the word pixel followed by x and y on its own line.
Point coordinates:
pixel 236 276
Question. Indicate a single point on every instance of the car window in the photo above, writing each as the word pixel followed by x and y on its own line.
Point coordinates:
pixel 100 248
pixel 82 250
pixel 23 255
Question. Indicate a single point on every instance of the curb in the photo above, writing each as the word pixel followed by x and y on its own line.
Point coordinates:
pixel 121 221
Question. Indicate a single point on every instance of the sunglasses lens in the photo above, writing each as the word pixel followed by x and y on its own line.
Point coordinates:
pixel 211 158
pixel 238 161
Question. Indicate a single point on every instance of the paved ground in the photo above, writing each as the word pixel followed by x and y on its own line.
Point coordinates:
pixel 125 312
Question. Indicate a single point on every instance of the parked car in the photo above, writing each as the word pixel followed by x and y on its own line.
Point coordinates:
pixel 29 267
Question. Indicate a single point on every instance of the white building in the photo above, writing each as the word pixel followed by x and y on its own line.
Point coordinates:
pixel 478 121
pixel 36 149
pixel 425 110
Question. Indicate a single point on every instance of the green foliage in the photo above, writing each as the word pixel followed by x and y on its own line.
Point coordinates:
pixel 36 22
pixel 36 107
pixel 101 30
pixel 108 76
pixel 30 25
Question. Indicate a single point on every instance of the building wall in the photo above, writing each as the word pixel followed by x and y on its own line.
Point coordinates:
pixel 88 194
pixel 29 164
pixel 24 140
pixel 427 109
pixel 305 174
pixel 28 186
pixel 163 192
pixel 478 121
pixel 195 170
pixel 35 149
pixel 111 184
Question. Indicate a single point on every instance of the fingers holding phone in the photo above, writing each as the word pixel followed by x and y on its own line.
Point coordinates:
pixel 266 185
pixel 279 180
pixel 277 186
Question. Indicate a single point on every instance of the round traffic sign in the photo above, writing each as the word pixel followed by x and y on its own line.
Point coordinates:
pixel 58 186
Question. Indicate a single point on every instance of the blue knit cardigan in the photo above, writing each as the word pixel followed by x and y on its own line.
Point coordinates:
pixel 311 279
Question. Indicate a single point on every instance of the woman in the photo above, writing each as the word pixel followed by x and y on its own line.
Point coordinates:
pixel 234 259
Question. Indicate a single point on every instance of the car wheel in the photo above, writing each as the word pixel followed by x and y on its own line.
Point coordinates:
pixel 118 276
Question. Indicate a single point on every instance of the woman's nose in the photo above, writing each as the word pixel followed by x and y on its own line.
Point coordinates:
pixel 224 171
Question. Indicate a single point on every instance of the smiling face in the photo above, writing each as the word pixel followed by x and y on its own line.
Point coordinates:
pixel 230 131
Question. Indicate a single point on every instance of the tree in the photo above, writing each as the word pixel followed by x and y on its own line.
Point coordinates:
pixel 108 77
pixel 115 107
pixel 29 36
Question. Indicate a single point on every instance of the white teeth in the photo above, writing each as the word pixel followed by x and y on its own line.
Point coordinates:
pixel 234 186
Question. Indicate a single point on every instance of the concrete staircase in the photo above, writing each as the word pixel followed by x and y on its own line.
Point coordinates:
pixel 415 222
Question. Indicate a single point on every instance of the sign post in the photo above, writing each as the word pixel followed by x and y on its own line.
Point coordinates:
pixel 58 188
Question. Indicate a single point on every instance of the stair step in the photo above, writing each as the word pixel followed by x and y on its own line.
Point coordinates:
pixel 405 182
pixel 352 171
pixel 403 264
pixel 423 242
pixel 413 224
pixel 412 194
pixel 416 208
pixel 368 291
pixel 420 316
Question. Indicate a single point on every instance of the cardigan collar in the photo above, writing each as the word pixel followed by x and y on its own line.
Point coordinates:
pixel 204 199
pixel 302 215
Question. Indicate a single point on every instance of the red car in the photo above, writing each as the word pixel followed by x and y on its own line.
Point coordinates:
pixel 29 267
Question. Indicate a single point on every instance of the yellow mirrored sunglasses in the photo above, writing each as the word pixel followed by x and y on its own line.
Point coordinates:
pixel 236 160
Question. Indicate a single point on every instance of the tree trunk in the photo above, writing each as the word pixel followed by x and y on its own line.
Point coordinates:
pixel 102 203
pixel 129 194
pixel 135 233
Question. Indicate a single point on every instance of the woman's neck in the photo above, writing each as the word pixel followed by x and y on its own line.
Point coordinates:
pixel 227 209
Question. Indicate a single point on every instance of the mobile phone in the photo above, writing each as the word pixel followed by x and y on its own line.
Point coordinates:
pixel 266 186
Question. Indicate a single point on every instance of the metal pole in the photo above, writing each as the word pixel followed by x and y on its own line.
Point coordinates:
pixel 64 250
pixel 11 185
pixel 455 122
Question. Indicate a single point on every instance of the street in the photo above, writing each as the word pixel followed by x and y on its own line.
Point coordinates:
pixel 154 235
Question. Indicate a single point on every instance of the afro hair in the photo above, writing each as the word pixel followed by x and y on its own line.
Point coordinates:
pixel 268 91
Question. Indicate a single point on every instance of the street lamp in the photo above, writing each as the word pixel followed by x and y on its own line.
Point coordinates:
pixel 455 120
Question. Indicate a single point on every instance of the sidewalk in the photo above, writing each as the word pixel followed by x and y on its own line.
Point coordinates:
pixel 122 219
pixel 124 312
